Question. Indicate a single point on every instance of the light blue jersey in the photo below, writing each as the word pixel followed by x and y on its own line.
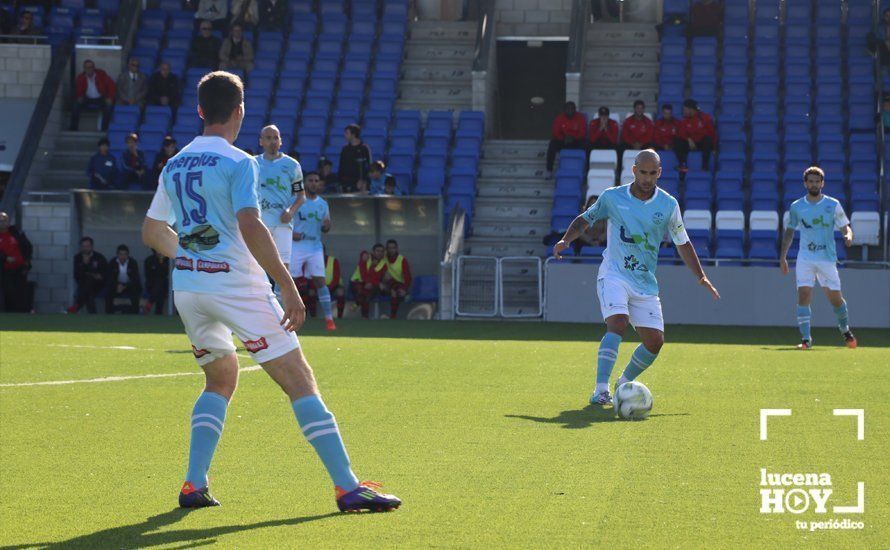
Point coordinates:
pixel 200 191
pixel 275 190
pixel 817 222
pixel 309 219
pixel 635 230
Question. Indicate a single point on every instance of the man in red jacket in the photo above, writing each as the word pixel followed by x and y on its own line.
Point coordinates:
pixel 695 133
pixel 666 128
pixel 603 131
pixel 567 133
pixel 94 90
pixel 638 131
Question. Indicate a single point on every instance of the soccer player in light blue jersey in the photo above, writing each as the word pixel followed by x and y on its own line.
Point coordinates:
pixel 222 252
pixel 638 215
pixel 280 190
pixel 817 216
pixel 313 220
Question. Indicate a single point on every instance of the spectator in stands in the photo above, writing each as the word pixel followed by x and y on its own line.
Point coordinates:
pixel 102 169
pixel 381 180
pixel 89 274
pixel 355 159
pixel 245 13
pixel 368 277
pixel 594 235
pixel 133 168
pixel 26 26
pixel 333 280
pixel 236 53
pixel 603 132
pixel 168 149
pixel 273 14
pixel 361 187
pixel 878 42
pixel 157 282
pixel 328 177
pixel 132 85
pixel 15 257
pixel 638 131
pixel 705 18
pixel 665 128
pixel 568 132
pixel 695 133
pixel 93 90
pixel 122 277
pixel 397 281
pixel 214 11
pixel 163 87
pixel 204 51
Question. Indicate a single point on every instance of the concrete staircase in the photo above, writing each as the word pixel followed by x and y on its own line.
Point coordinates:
pixel 620 66
pixel 71 155
pixel 437 72
pixel 512 210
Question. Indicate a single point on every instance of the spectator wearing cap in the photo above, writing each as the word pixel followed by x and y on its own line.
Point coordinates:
pixel 666 128
pixel 567 133
pixel 132 84
pixel 638 131
pixel 94 90
pixel 163 87
pixel 168 149
pixel 133 168
pixel 236 53
pixel 695 132
pixel 204 50
pixel 102 169
pixel 603 131
pixel 273 14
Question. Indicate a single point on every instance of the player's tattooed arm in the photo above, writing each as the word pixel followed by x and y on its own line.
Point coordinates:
pixel 578 226
pixel 787 239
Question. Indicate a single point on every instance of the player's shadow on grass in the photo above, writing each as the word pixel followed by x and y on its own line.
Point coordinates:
pixel 141 535
pixel 582 418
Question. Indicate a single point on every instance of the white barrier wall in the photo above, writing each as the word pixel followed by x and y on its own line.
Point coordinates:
pixel 751 296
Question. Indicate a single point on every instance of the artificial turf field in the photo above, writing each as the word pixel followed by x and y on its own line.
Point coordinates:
pixel 481 428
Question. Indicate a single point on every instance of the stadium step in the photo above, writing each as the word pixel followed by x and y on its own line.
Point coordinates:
pixel 509 150
pixel 515 168
pixel 426 105
pixel 453 31
pixel 56 179
pixel 437 50
pixel 511 209
pixel 78 141
pixel 67 159
pixel 621 35
pixel 437 69
pixel 417 90
pixel 639 73
pixel 493 227
pixel 632 55
pixel 443 73
pixel 515 189
pixel 504 246
pixel 618 97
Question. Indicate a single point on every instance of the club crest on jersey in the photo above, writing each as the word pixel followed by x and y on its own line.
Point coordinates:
pixel 255 346
pixel 658 218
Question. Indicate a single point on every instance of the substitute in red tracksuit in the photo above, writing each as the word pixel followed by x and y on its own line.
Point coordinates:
pixel 93 90
pixel 567 133
pixel 397 281
pixel 695 133
pixel 638 131
pixel 368 277
pixel 666 128
pixel 603 131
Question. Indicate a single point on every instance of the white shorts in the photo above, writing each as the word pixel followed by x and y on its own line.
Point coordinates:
pixel 618 298
pixel 283 237
pixel 307 264
pixel 808 272
pixel 210 320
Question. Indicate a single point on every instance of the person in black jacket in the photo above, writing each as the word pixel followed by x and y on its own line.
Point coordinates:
pixel 123 281
pixel 157 281
pixel 89 274
pixel 355 159
pixel 163 87
pixel 15 262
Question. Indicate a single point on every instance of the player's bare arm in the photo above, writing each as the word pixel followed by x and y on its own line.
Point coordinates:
pixel 690 258
pixel 158 235
pixel 262 247
pixel 578 226
pixel 787 239
pixel 847 232
pixel 291 211
pixel 326 225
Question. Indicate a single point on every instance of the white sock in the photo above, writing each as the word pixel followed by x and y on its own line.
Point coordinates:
pixel 600 388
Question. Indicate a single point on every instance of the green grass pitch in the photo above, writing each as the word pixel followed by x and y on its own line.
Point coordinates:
pixel 482 429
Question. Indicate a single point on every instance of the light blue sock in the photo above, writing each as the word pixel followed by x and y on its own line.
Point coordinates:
pixel 641 360
pixel 843 321
pixel 208 417
pixel 608 354
pixel 320 429
pixel 803 321
pixel 324 298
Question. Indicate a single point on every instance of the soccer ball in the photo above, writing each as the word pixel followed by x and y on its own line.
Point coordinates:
pixel 633 401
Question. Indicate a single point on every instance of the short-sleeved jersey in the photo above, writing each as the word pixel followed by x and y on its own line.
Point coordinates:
pixel 200 191
pixel 817 222
pixel 275 189
pixel 635 229
pixel 309 219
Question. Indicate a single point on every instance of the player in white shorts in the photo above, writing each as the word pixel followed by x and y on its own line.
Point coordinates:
pixel 222 252
pixel 817 216
pixel 280 190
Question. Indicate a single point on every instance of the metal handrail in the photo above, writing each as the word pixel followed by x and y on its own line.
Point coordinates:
pixel 31 140
pixel 485 34
pixel 577 36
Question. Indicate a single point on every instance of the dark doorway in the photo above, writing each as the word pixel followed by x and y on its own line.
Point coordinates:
pixel 531 87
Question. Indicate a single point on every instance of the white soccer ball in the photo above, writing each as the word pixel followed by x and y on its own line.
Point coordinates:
pixel 633 401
